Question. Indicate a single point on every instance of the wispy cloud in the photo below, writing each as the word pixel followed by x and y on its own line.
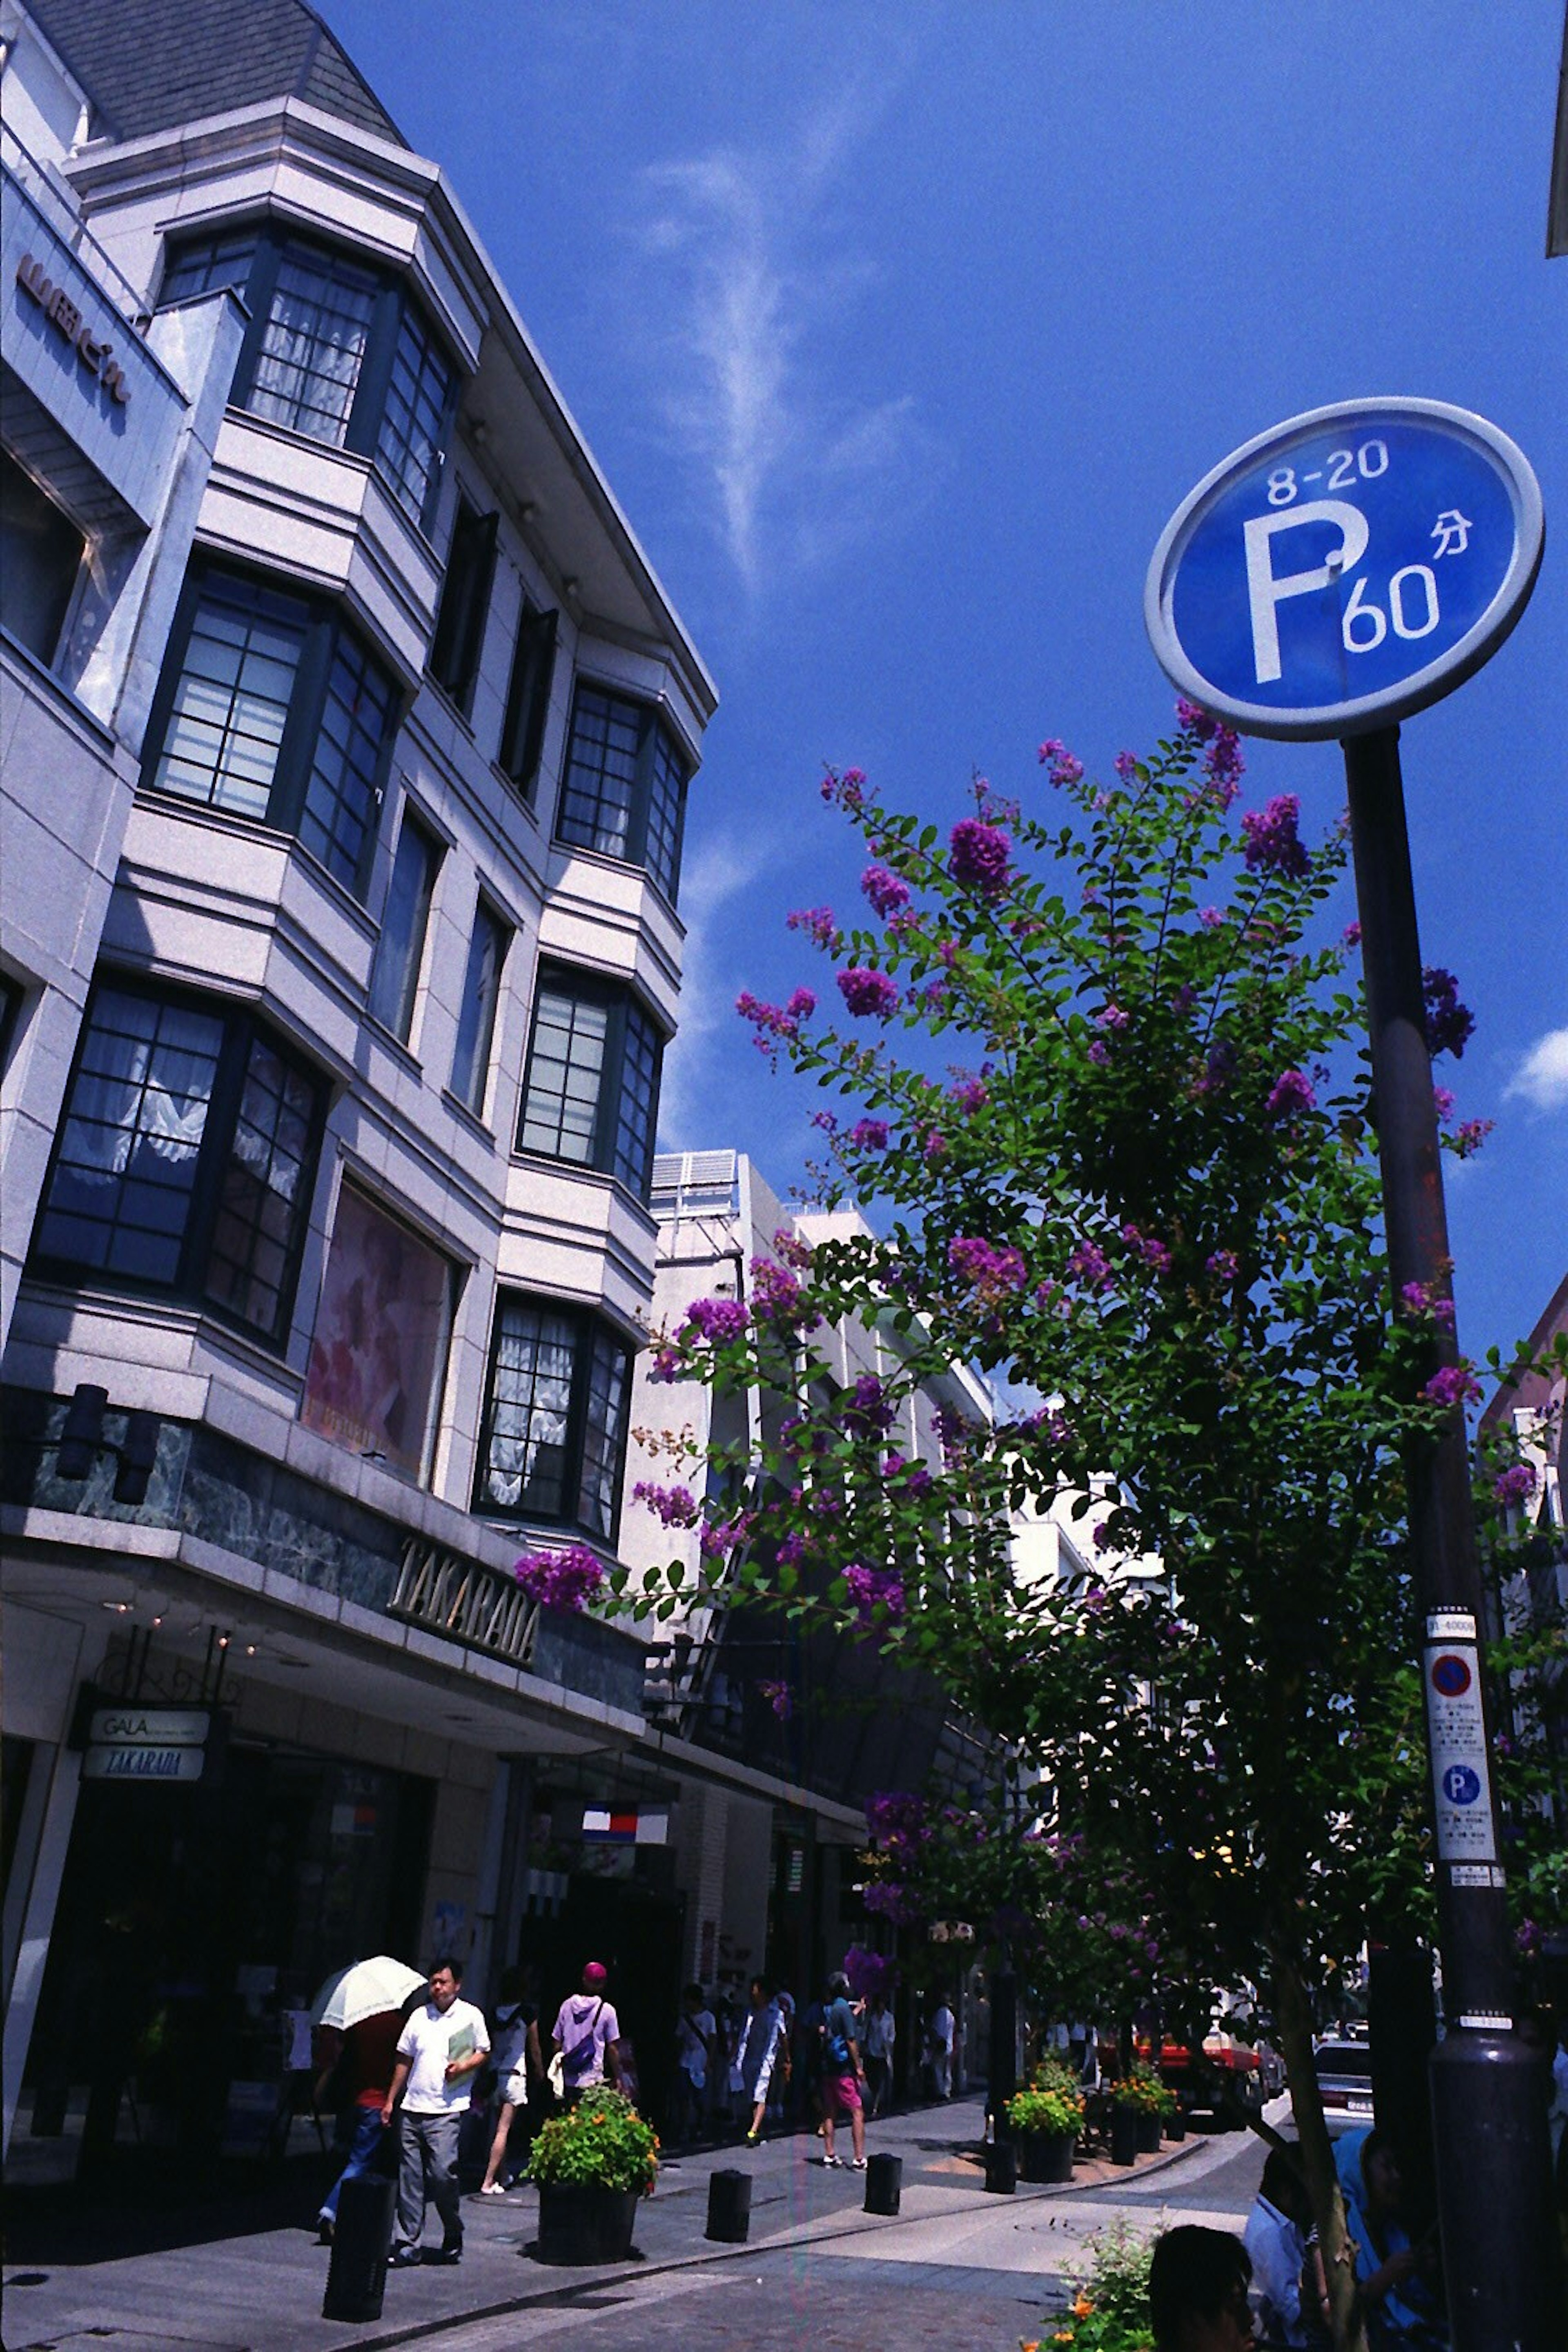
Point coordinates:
pixel 760 284
pixel 1542 1076
pixel 713 878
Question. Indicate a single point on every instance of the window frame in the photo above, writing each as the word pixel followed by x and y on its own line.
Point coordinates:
pixel 653 727
pixel 325 631
pixel 620 1001
pixel 591 1332
pixel 242 1030
pixel 457 640
pixel 399 1023
pixel 393 299
pixel 474 1095
pixel 529 685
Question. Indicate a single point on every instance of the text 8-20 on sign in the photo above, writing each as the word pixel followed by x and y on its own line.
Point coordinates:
pixel 1345 568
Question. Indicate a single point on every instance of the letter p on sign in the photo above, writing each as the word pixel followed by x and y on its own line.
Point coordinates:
pixel 1266 592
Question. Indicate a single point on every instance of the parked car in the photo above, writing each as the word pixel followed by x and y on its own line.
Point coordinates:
pixel 1227 2080
pixel 1345 2078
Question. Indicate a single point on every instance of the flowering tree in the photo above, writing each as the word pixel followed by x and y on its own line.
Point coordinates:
pixel 1142 1193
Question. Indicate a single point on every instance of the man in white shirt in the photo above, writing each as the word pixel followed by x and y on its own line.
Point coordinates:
pixel 440 2048
pixel 940 2031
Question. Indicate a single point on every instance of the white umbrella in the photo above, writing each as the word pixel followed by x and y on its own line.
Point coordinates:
pixel 363 1989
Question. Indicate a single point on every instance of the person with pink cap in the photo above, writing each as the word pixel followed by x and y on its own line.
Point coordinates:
pixel 586 2033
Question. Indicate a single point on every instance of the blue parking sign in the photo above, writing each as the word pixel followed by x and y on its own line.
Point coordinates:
pixel 1345 569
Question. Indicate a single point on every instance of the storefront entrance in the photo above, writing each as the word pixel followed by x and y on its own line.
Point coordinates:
pixel 192 1929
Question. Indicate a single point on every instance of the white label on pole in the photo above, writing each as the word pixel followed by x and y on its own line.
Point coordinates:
pixel 1461 1776
pixel 1451 1625
pixel 1475 1874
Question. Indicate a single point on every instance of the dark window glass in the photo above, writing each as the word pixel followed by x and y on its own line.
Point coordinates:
pixel 223 258
pixel 623 785
pixel 270 708
pixel 414 421
pixel 312 343
pixel 554 1438
pixel 637 1103
pixel 225 728
pixel 528 698
pixel 476 1014
pixel 395 981
pixel 264 1194
pixel 344 788
pixel 184 1157
pixel 590 1093
pixel 337 349
pixel 40 556
pixel 465 603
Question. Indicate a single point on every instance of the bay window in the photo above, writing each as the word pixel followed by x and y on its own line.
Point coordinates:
pixel 554 1440
pixel 624 790
pixel 591 1093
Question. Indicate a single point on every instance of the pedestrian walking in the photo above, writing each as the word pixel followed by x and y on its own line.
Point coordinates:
pixel 760 2049
pixel 878 2032
pixel 843 2073
pixel 585 2037
pixel 939 2048
pixel 442 2045
pixel 519 2064
pixel 695 2035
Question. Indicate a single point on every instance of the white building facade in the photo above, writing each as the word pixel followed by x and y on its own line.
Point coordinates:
pixel 348 735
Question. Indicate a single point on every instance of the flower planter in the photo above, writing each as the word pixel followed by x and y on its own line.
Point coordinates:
pixel 1176 2126
pixel 1148 2135
pixel 581 2222
pixel 1123 2135
pixel 1045 2157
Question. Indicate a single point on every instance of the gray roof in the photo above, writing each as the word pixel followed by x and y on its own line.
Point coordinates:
pixel 148 64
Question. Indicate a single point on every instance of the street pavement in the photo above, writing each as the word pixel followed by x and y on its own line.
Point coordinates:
pixel 956 2271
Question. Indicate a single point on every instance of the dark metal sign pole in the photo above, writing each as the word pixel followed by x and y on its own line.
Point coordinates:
pixel 1493 2152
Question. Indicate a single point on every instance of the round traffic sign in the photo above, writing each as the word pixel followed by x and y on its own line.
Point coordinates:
pixel 1348 567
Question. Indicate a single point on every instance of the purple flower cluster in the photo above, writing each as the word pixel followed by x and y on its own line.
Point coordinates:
pixel 970 1095
pixel 866 1409
pixel 1065 768
pixel 1113 1018
pixel 1515 1485
pixel 894 1814
pixel 673 1506
pixel 1195 720
pixel 1089 1265
pixel 1451 1025
pixel 776 1296
pixel 892 1902
pixel 978 857
pixel 775 1024
pixel 1421 1298
pixel 1270 843
pixel 719 1321
pixel 1224 1266
pixel 871 1589
pixel 1454 1384
pixel 1126 766
pixel 722 1536
pixel 561 1579
pixel 1290 1095
pixel 870 993
pixel 868 1135
pixel 780 1698
pixel 1470 1134
pixel 992 1273
pixel 884 891
pixel 1224 765
pixel 816 921
pixel 1153 1253
pixel 848 789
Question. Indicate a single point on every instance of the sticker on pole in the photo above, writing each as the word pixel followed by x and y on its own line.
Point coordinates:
pixel 1461 1782
pixel 1345 569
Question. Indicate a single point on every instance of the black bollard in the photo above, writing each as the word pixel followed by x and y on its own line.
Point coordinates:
pixel 884 2183
pixel 361 2240
pixel 1002 2167
pixel 729 2207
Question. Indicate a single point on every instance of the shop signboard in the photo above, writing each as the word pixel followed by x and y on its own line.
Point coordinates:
pixel 167 1746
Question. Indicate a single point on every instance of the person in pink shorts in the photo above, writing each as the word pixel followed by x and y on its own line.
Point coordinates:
pixel 843 2073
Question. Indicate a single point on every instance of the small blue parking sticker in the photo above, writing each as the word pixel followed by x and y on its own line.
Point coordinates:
pixel 1347 568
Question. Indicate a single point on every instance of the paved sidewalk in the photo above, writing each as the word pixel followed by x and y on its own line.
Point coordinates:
pixel 261 2292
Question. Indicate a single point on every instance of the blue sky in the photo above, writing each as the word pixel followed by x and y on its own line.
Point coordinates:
pixel 901 330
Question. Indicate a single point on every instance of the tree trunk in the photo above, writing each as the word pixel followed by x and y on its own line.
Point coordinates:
pixel 1334 2241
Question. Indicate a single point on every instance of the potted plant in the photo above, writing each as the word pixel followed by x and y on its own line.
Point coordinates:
pixel 1139 2103
pixel 1047 2119
pixel 591 2165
